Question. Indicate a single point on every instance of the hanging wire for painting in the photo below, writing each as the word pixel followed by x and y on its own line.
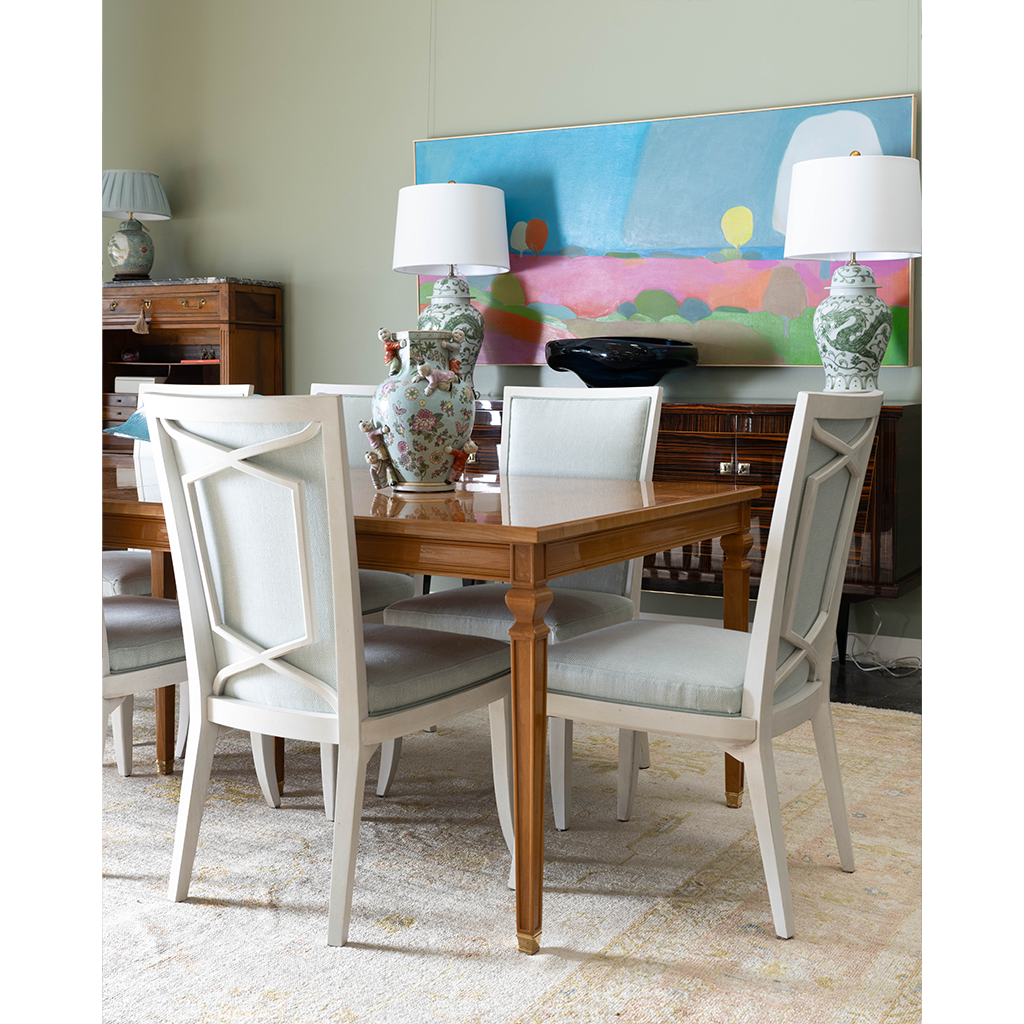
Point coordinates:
pixel 896 667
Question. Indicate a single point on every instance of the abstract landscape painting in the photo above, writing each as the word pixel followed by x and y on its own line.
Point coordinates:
pixel 670 228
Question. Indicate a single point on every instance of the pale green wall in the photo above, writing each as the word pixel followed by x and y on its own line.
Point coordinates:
pixel 282 131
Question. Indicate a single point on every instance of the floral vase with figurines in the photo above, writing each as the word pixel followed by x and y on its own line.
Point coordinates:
pixel 423 413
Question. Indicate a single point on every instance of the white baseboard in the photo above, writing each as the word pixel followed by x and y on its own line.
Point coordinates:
pixel 884 648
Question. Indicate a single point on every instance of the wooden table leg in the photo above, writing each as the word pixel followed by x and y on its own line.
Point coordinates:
pixel 162 579
pixel 528 600
pixel 736 590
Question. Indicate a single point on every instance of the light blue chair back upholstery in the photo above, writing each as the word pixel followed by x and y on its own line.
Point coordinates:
pixel 600 433
pixel 805 561
pixel 358 400
pixel 264 528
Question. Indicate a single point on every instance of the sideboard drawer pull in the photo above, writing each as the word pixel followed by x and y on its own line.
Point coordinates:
pixel 199 304
pixel 724 468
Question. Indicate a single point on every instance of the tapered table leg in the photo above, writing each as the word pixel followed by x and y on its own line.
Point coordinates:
pixel 736 590
pixel 162 580
pixel 528 600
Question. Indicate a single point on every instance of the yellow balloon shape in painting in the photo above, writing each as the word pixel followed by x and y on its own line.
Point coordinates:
pixel 738 226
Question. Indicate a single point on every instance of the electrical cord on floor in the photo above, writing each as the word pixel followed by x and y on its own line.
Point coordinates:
pixel 868 661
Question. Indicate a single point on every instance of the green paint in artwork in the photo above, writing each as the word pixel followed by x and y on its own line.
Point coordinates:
pixel 656 303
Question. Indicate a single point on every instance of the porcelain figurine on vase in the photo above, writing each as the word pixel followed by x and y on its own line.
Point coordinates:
pixel 423 413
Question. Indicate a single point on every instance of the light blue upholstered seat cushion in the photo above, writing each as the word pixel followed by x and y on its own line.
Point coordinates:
pixel 127 572
pixel 142 632
pixel 407 667
pixel 677 666
pixel 404 668
pixel 481 611
pixel 378 589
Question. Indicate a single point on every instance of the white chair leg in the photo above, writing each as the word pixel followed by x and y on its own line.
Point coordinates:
pixel 644 760
pixel 828 758
pixel 194 785
pixel 121 721
pixel 179 745
pixel 560 754
pixel 631 750
pixel 501 764
pixel 329 776
pixel 759 765
pixel 348 809
pixel 109 706
pixel 266 771
pixel 390 752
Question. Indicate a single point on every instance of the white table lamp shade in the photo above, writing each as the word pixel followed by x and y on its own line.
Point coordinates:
pixel 451 224
pixel 868 205
pixel 137 194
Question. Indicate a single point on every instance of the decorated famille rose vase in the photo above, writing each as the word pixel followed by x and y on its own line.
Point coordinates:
pixel 423 414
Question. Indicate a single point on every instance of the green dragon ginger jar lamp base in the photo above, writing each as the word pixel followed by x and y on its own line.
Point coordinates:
pixel 852 328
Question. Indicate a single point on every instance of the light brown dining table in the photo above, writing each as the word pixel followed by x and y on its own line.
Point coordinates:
pixel 525 531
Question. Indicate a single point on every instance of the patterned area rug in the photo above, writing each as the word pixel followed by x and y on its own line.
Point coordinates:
pixel 663 918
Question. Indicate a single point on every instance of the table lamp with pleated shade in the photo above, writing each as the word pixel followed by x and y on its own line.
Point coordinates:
pixel 132 197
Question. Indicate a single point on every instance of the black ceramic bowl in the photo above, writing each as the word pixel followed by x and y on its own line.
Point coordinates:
pixel 620 362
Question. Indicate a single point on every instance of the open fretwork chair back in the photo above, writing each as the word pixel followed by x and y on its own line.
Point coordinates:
pixel 274 626
pixel 808 548
pixel 741 689
pixel 257 500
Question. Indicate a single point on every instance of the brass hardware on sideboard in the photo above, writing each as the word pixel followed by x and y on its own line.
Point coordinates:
pixel 201 303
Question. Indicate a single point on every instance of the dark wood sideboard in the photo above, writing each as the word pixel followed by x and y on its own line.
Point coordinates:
pixel 745 443
pixel 198 331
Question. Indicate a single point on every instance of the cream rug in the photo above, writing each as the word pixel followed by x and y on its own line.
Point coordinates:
pixel 663 918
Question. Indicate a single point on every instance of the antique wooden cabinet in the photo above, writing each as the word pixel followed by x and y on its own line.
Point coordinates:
pixel 196 331
pixel 745 443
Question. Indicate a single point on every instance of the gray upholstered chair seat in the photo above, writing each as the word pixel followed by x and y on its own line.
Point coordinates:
pixel 481 611
pixel 142 632
pixel 378 589
pixel 677 666
pixel 408 667
pixel 127 572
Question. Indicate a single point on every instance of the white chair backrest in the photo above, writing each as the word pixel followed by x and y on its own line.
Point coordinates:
pixel 358 408
pixel 599 433
pixel 809 545
pixel 257 500
pixel 142 456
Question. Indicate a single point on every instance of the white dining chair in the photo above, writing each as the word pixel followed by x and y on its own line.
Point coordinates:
pixel 377 590
pixel 130 572
pixel 143 650
pixel 257 499
pixel 601 433
pixel 742 689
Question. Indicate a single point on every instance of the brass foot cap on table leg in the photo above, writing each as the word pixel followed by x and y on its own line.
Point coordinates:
pixel 528 943
pixel 165 767
pixel 733 799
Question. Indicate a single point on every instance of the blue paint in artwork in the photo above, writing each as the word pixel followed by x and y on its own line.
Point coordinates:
pixel 694 309
pixel 626 309
pixel 558 312
pixel 659 186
